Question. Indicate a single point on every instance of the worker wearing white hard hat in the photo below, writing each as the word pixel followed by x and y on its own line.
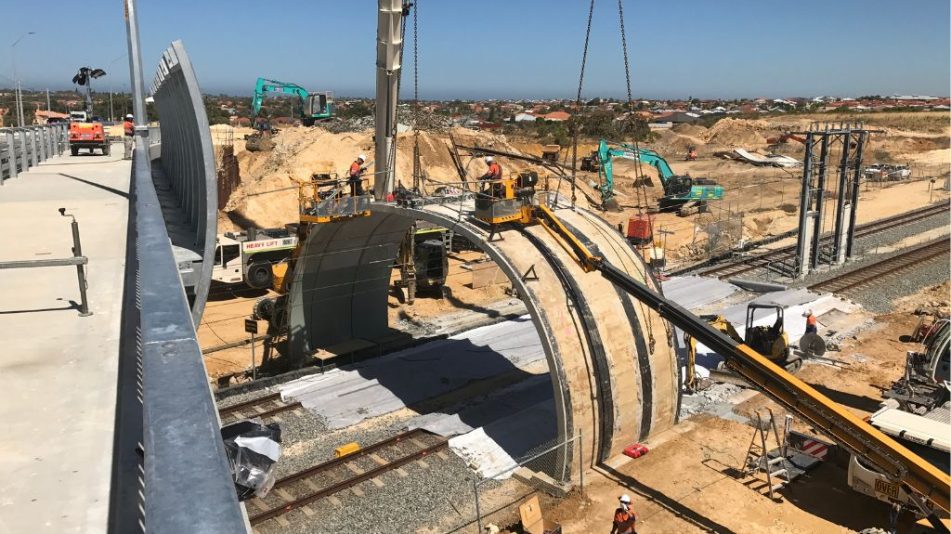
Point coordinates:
pixel 624 517
pixel 355 176
pixel 128 127
pixel 492 174
pixel 812 325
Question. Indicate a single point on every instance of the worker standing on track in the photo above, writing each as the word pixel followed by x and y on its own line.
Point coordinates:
pixel 355 176
pixel 624 517
pixel 129 129
pixel 493 174
pixel 811 323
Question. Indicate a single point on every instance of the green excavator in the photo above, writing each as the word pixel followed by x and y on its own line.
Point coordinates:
pixel 313 106
pixel 682 193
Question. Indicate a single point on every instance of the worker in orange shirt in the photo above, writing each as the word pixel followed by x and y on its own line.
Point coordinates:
pixel 811 323
pixel 128 125
pixel 624 517
pixel 355 176
pixel 493 174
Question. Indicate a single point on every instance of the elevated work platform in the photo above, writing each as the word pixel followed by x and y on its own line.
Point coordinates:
pixel 614 373
pixel 59 371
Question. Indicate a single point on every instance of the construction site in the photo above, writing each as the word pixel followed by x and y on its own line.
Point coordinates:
pixel 397 323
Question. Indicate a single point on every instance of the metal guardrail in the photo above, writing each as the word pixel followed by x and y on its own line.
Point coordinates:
pixel 188 159
pixel 22 148
pixel 171 471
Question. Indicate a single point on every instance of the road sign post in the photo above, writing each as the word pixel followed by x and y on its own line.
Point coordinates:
pixel 251 327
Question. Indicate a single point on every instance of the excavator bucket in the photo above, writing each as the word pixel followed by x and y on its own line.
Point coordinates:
pixel 643 181
pixel 611 204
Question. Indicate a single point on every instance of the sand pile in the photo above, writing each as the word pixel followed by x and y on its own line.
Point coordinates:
pixel 740 133
pixel 267 195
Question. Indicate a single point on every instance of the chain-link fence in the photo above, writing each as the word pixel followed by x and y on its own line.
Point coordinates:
pixel 497 502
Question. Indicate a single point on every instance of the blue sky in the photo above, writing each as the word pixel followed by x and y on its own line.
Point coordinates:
pixel 513 48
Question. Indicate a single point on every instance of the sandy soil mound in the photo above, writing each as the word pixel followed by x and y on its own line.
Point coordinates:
pixel 267 195
pixel 738 132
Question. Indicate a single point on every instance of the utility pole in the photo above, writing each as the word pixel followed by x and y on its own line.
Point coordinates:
pixel 48 107
pixel 16 78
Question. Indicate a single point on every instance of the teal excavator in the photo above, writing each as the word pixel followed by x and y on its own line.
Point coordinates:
pixel 313 106
pixel 683 193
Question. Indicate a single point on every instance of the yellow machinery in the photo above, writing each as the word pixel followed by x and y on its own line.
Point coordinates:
pixel 929 487
pixel 770 341
pixel 507 200
pixel 327 199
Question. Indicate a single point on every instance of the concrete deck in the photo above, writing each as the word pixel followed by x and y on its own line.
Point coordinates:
pixel 59 370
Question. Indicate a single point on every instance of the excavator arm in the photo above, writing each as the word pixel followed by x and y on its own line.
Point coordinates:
pixel 860 438
pixel 264 86
pixel 607 151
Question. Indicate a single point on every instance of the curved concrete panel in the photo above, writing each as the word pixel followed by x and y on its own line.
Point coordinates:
pixel 614 371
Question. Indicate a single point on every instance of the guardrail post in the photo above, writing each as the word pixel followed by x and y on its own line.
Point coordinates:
pixel 32 146
pixel 24 151
pixel 44 153
pixel 50 149
pixel 11 154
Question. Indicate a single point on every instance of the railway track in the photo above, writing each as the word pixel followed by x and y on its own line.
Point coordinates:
pixel 296 491
pixel 261 407
pixel 870 274
pixel 783 254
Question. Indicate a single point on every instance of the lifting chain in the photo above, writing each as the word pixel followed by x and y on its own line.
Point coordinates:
pixel 574 122
pixel 416 156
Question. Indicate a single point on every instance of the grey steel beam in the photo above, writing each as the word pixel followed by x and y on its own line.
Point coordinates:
pixel 820 201
pixel 855 185
pixel 805 201
pixel 838 252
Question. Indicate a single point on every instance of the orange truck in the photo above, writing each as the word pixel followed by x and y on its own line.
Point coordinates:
pixel 88 135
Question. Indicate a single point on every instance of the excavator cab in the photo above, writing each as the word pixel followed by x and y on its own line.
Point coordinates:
pixel 770 341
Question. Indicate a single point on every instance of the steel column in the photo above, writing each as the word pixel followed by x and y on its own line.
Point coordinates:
pixel 24 150
pixel 820 201
pixel 389 47
pixel 838 255
pixel 854 198
pixel 805 196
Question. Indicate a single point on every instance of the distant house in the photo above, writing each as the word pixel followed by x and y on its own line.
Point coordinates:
pixel 556 116
pixel 525 117
pixel 43 116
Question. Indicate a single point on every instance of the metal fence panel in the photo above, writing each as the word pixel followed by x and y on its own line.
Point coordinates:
pixel 27 146
pixel 187 157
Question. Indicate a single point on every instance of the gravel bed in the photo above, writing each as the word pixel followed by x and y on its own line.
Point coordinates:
pixel 427 496
pixel 880 297
pixel 862 246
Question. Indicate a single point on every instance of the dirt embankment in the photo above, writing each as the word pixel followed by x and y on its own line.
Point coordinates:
pixel 767 197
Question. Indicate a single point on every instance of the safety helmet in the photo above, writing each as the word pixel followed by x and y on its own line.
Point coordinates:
pixel 362 157
pixel 129 116
pixel 489 159
pixel 626 499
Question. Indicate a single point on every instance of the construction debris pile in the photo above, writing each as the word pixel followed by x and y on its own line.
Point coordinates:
pixel 405 120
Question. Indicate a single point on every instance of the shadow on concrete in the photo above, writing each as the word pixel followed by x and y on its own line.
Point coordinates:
pixel 73 305
pixel 662 500
pixel 112 190
pixel 859 402
pixel 463 305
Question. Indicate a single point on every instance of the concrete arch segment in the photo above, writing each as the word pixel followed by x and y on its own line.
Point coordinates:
pixel 614 371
